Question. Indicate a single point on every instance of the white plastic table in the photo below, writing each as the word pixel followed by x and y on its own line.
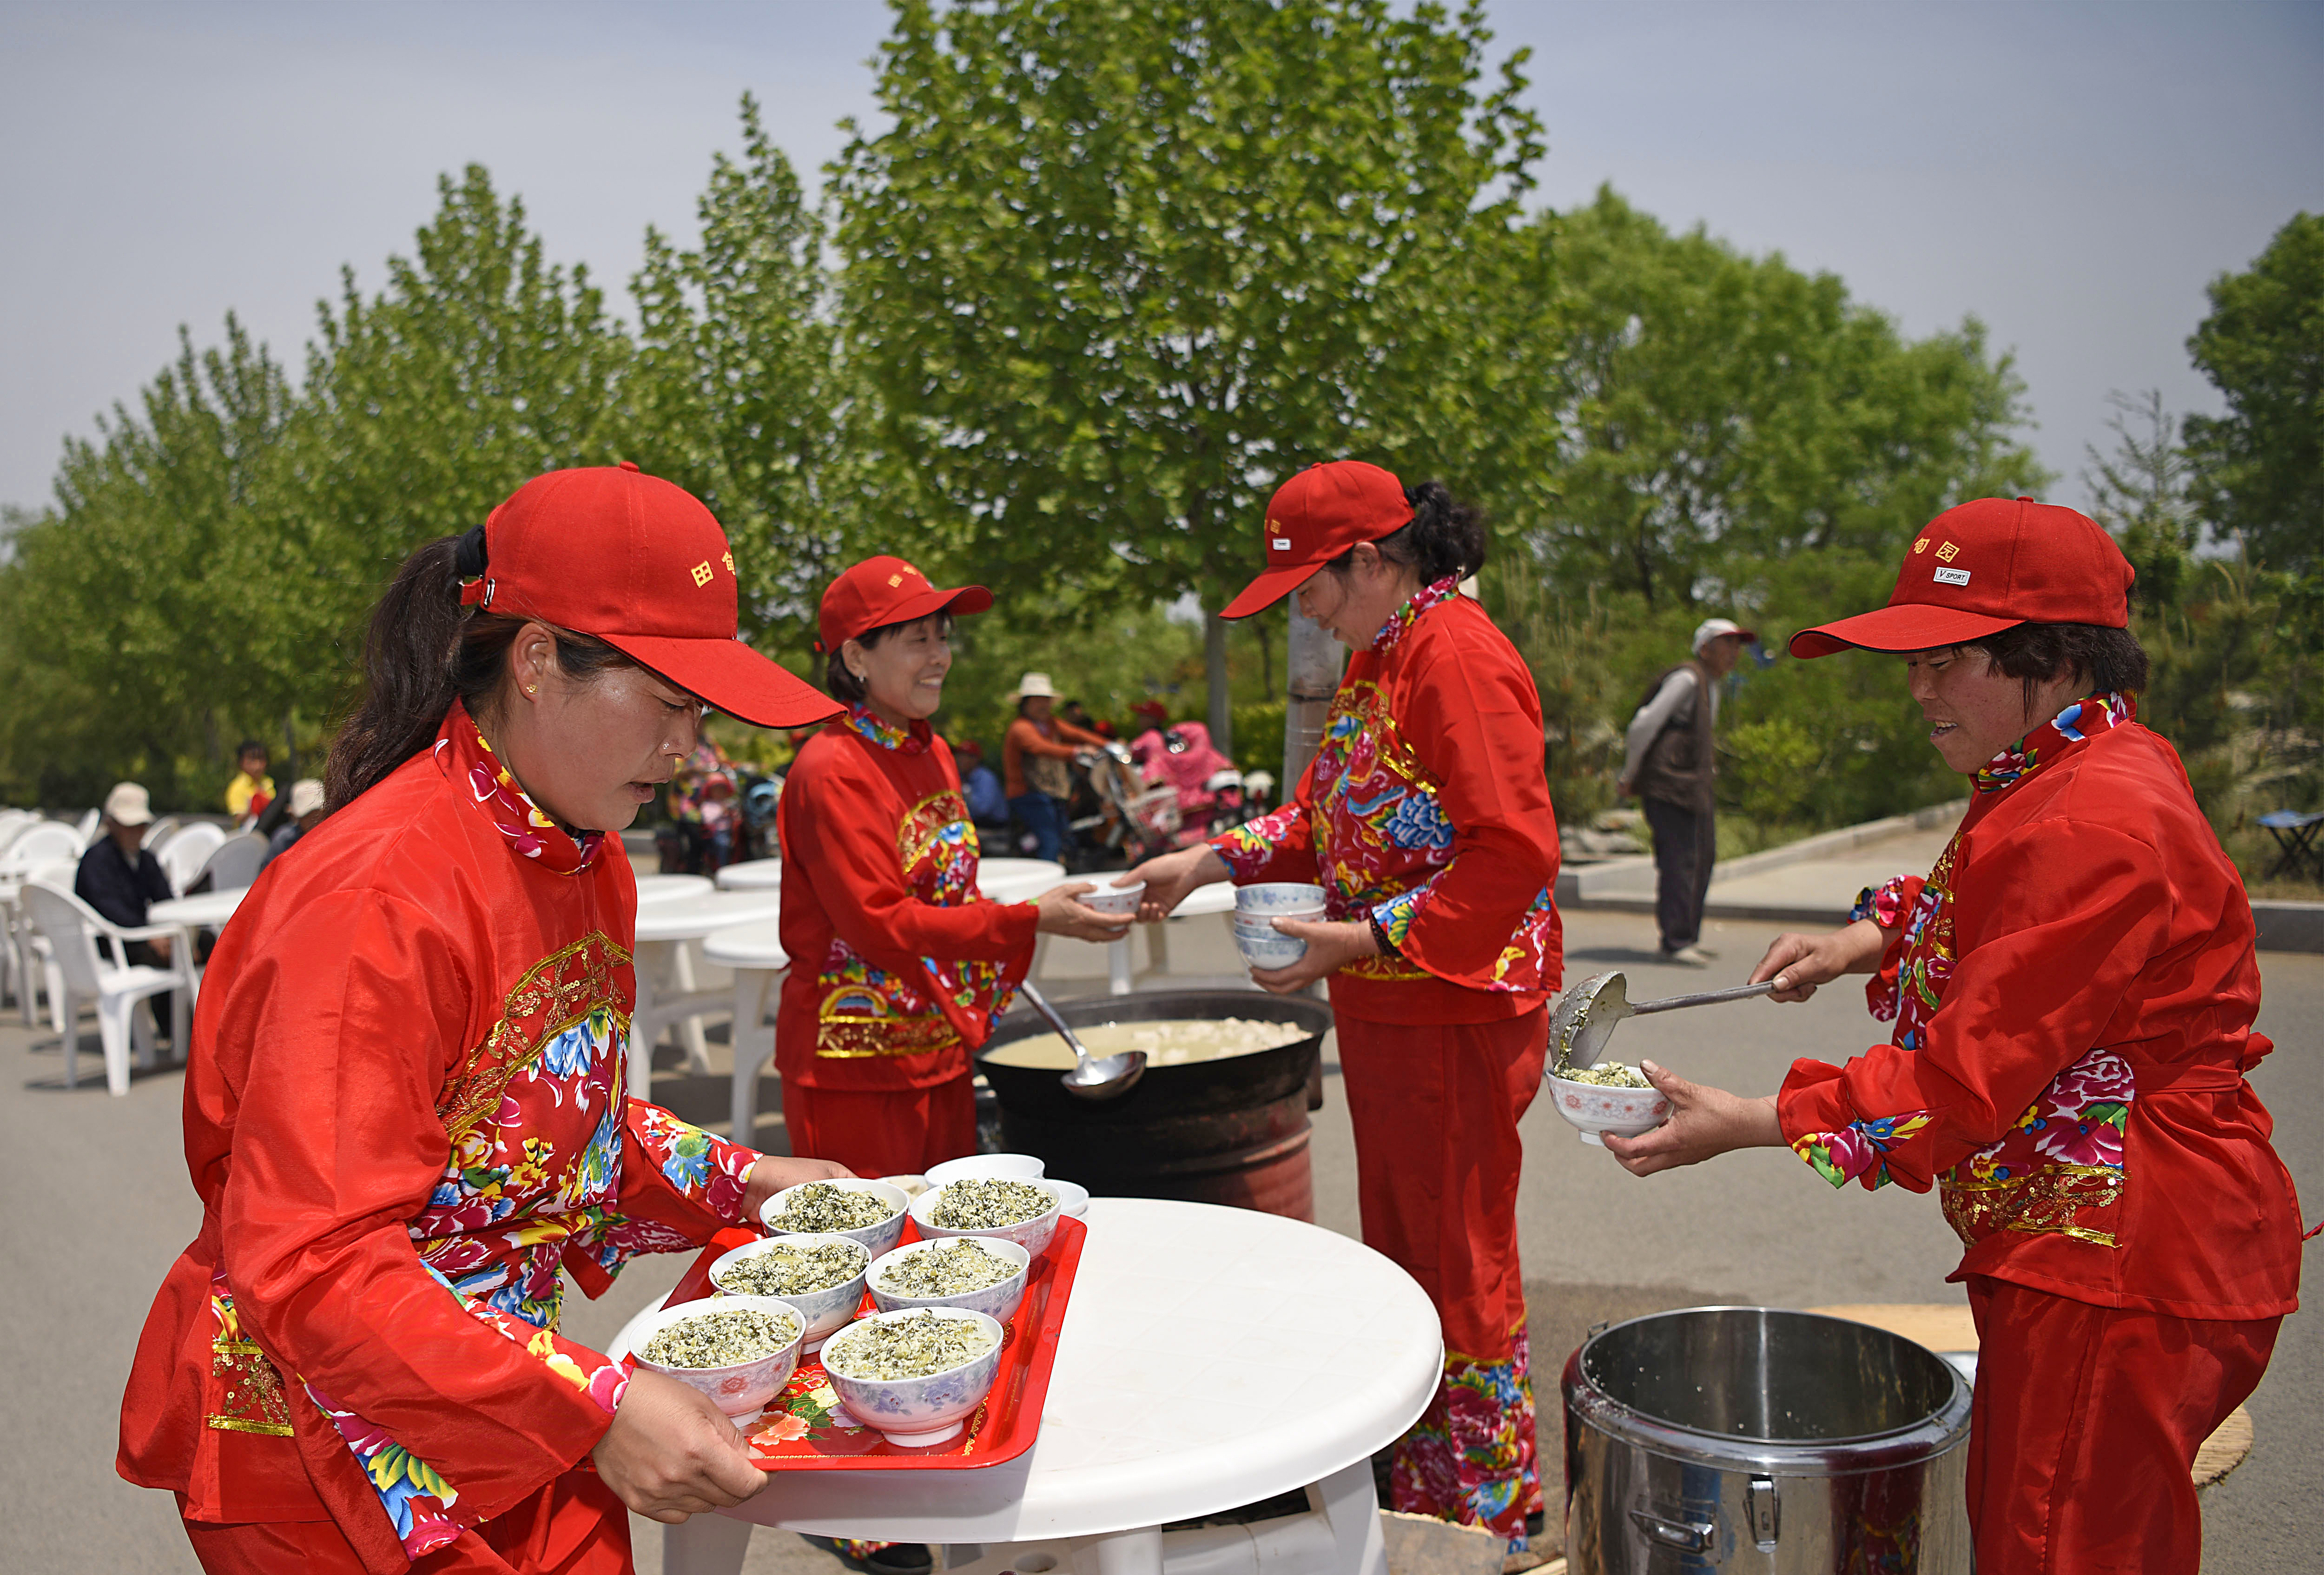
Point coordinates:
pixel 204 911
pixel 661 888
pixel 755 952
pixel 757 874
pixel 1017 880
pixel 664 930
pixel 1210 1357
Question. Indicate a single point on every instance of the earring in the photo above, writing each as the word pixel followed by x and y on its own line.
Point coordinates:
pixel 530 689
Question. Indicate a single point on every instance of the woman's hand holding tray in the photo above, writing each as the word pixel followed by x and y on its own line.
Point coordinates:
pixel 806 1428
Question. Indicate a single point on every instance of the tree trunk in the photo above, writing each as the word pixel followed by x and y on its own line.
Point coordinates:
pixel 1215 665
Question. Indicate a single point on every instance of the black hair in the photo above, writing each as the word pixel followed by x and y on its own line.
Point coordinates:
pixel 248 747
pixel 424 650
pixel 845 686
pixel 2110 661
pixel 1443 537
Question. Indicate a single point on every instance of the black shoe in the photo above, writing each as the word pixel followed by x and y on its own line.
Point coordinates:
pixel 1534 1523
pixel 899 1559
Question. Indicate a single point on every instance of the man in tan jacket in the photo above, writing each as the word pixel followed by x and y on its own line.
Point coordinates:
pixel 1668 762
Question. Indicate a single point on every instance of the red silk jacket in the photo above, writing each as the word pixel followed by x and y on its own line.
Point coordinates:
pixel 899 968
pixel 1427 808
pixel 2074 986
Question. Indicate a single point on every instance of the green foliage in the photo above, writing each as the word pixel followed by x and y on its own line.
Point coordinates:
pixel 2139 493
pixel 2260 468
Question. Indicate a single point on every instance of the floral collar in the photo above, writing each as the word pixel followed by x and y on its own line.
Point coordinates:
pixel 1425 598
pixel 876 729
pixel 463 755
pixel 2095 713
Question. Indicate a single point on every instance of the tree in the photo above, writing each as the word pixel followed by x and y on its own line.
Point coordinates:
pixel 1716 409
pixel 2259 469
pixel 1118 266
pixel 735 393
pixel 2139 493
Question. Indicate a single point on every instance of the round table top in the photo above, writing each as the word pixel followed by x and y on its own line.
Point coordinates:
pixel 691 917
pixel 208 908
pixel 758 945
pixel 1014 880
pixel 1218 897
pixel 759 875
pixel 1210 1357
pixel 661 888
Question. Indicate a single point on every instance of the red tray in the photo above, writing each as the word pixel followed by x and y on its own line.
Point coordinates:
pixel 797 1435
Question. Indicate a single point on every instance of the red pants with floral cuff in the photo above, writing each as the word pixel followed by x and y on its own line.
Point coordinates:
pixel 882 1132
pixel 2085 1427
pixel 576 1526
pixel 1435 1109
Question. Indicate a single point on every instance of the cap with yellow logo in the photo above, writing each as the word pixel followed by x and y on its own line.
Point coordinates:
pixel 880 591
pixel 639 564
pixel 1319 514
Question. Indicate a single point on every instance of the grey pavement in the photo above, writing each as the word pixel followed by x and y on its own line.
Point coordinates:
pixel 99 1205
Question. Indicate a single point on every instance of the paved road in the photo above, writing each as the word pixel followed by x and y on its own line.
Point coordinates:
pixel 99 1205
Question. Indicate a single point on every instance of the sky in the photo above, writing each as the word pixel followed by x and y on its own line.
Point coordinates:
pixel 2072 174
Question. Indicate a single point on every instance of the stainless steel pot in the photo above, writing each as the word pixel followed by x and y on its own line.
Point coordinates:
pixel 1756 1438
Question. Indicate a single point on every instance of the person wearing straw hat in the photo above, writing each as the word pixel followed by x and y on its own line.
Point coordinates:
pixel 1035 753
pixel 899 970
pixel 1427 818
pixel 406 1113
pixel 1669 761
pixel 2073 987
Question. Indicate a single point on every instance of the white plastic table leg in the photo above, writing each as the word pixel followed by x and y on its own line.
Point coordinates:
pixel 1117 967
pixel 754 1041
pixel 1137 1552
pixel 697 1050
pixel 705 1544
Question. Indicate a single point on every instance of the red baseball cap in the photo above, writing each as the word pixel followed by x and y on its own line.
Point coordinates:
pixel 1990 565
pixel 880 591
pixel 1315 516
pixel 638 562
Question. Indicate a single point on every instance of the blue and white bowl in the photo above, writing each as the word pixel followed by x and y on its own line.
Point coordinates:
pixel 1033 1235
pixel 917 1411
pixel 1275 898
pixel 825 1311
pixel 877 1238
pixel 995 1302
pixel 742 1390
pixel 1269 948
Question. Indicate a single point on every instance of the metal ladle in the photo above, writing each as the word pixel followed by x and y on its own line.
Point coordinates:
pixel 1092 1077
pixel 1585 1016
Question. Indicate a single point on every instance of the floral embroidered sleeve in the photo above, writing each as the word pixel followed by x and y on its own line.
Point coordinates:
pixel 2053 923
pixel 1889 905
pixel 1278 847
pixel 680 1185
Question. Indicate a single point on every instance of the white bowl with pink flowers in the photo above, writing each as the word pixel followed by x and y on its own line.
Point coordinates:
pixel 1595 1111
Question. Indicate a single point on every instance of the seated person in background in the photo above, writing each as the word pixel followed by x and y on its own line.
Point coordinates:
pixel 252 790
pixel 988 804
pixel 120 880
pixel 308 808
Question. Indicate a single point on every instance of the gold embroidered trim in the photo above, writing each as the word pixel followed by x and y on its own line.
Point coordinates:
pixel 1387 969
pixel 556 993
pixel 253 1394
pixel 926 823
pixel 852 1037
pixel 2042 1202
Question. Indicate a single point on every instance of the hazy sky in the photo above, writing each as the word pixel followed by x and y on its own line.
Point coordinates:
pixel 2072 173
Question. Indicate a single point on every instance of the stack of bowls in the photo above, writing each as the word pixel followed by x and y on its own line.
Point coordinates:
pixel 1257 906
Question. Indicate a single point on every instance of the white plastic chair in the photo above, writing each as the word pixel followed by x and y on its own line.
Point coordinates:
pixel 36 850
pixel 235 865
pixel 184 854
pixel 13 821
pixel 71 927
pixel 158 834
pixel 87 830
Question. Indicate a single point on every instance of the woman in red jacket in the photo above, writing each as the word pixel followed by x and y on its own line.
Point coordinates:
pixel 2073 987
pixel 404 1109
pixel 1426 819
pixel 899 968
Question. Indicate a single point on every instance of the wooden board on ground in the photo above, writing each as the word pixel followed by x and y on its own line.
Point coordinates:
pixel 1420 1544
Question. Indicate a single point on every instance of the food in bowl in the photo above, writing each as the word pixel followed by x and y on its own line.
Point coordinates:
pixel 819 1206
pixel 1169 1042
pixel 722 1339
pixel 1606 1074
pixel 1022 1167
pixel 990 1203
pixel 946 1268
pixel 1598 1109
pixel 919 1344
pixel 786 1268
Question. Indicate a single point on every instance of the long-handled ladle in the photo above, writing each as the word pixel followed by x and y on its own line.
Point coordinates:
pixel 1585 1016
pixel 1092 1077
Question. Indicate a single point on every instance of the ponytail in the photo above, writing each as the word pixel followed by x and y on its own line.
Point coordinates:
pixel 423 651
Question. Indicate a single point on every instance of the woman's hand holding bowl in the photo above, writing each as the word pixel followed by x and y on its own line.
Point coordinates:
pixel 670 1454
pixel 1705 1122
pixel 1331 945
pixel 1061 915
pixel 1171 875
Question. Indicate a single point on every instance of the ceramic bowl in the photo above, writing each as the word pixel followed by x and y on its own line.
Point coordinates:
pixel 1033 1235
pixel 825 1311
pixel 1073 1198
pixel 878 1238
pixel 1016 1167
pixel 1594 1112
pixel 997 1301
pixel 917 1411
pixel 909 1186
pixel 1269 948
pixel 1108 899
pixel 1277 897
pixel 740 1391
